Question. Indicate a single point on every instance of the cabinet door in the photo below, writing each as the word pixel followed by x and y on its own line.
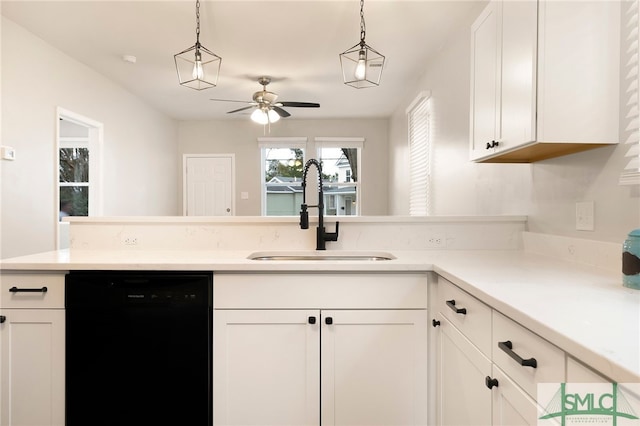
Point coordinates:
pixel 485 80
pixel 463 398
pixel 32 373
pixel 511 405
pixel 518 74
pixel 374 367
pixel 266 367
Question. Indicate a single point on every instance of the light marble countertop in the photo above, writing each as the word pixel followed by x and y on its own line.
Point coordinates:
pixel 582 309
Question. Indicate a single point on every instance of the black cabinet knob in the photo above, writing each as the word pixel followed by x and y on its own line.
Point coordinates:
pixel 435 323
pixel 328 320
pixel 490 383
pixel 2 319
pixel 312 320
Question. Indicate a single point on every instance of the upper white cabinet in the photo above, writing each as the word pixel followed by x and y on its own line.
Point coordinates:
pixel 544 79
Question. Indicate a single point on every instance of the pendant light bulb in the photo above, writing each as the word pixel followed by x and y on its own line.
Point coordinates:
pixel 198 71
pixel 361 68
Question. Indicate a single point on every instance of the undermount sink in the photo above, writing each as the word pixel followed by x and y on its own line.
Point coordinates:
pixel 321 255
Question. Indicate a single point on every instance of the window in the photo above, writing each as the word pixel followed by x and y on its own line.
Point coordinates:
pixel 342 172
pixel 419 116
pixel 74 177
pixel 631 93
pixel 282 163
pixel 78 170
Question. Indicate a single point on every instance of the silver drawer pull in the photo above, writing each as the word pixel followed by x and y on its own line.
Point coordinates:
pixel 507 347
pixel 28 290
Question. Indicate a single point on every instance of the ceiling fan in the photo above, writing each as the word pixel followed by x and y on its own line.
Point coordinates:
pixel 267 109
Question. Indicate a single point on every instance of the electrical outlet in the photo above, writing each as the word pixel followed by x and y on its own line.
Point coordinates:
pixel 436 240
pixel 130 241
pixel 584 216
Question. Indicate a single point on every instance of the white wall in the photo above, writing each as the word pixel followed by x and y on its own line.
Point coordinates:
pixel 545 191
pixel 240 137
pixel 140 145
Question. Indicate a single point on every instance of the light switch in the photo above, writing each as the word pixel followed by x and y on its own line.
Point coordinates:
pixel 584 216
pixel 8 153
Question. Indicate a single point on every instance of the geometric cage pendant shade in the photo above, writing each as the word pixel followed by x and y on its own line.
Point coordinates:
pixel 361 66
pixel 198 67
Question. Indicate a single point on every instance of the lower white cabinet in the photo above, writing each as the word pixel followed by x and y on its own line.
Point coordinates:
pixel 32 359
pixel 488 384
pixel 32 349
pixel 511 405
pixel 354 352
pixel 463 398
pixel 329 367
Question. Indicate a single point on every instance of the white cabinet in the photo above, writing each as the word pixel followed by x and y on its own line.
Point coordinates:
pixel 544 79
pixel 354 353
pixel 373 367
pixel 488 364
pixel 266 367
pixel 32 349
pixel 463 361
pixel 485 80
pixel 463 398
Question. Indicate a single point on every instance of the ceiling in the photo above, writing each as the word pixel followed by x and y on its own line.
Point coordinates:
pixel 295 42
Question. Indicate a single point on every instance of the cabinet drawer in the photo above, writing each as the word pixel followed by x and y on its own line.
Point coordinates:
pixel 468 314
pixel 544 361
pixel 31 290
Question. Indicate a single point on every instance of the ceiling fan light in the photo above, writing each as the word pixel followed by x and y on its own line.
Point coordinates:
pixel 259 116
pixel 273 116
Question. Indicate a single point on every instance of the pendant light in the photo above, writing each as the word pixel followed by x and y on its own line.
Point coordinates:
pixel 198 67
pixel 361 64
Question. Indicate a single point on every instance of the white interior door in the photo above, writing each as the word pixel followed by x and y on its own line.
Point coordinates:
pixel 208 186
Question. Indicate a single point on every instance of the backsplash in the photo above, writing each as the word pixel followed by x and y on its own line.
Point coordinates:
pixel 595 253
pixel 280 233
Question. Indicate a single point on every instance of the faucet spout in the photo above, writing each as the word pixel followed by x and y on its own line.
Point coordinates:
pixel 321 235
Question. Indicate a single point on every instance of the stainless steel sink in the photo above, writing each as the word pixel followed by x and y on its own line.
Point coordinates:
pixel 371 256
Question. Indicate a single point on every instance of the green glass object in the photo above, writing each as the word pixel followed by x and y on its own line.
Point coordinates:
pixel 631 260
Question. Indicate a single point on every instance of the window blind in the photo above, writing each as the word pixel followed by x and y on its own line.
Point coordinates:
pixel 631 91
pixel 419 115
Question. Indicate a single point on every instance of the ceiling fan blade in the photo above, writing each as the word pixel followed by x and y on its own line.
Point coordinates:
pixel 300 104
pixel 282 113
pixel 240 109
pixel 232 100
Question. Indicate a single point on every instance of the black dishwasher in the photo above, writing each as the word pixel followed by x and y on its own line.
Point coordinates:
pixel 139 348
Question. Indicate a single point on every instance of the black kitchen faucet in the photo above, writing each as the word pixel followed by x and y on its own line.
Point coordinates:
pixel 321 235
